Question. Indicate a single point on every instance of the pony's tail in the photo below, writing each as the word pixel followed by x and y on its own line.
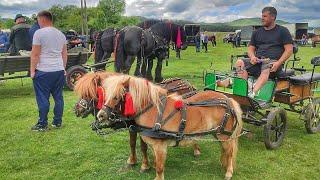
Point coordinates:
pixel 237 130
pixel 238 118
pixel 119 52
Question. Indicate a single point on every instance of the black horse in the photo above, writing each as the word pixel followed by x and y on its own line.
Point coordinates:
pixel 104 46
pixel 148 44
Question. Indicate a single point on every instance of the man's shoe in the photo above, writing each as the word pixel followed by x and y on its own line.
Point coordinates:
pixel 39 127
pixel 56 126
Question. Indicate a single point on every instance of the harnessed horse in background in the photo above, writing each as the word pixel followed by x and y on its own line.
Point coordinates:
pixel 167 120
pixel 148 44
pixel 89 90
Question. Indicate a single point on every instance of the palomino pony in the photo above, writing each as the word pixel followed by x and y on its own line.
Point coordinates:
pixel 206 112
pixel 86 89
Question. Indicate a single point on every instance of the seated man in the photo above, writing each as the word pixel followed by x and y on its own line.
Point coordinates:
pixel 272 42
pixel 19 36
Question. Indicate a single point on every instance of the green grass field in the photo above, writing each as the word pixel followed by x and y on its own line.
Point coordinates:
pixel 76 152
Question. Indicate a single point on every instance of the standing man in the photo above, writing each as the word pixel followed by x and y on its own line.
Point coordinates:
pixel 19 36
pixel 34 28
pixel 47 69
pixel 270 41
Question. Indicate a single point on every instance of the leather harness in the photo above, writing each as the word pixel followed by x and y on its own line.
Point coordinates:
pixel 157 132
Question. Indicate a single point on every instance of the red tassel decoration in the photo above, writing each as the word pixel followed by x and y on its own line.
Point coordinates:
pixel 128 106
pixel 178 104
pixel 100 92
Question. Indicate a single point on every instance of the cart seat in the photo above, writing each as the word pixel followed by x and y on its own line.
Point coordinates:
pixel 285 73
pixel 304 78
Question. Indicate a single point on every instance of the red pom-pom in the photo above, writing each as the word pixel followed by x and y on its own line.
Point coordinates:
pixel 178 104
pixel 100 92
pixel 128 106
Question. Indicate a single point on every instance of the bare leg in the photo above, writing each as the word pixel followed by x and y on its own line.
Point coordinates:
pixel 263 78
pixel 132 160
pixel 145 162
pixel 241 72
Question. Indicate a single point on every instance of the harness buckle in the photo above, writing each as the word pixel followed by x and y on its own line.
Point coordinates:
pixel 157 127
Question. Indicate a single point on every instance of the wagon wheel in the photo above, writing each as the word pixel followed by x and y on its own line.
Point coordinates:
pixel 276 128
pixel 312 116
pixel 74 73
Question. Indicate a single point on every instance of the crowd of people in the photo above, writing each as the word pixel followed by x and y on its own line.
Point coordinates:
pixel 21 35
pixel 202 39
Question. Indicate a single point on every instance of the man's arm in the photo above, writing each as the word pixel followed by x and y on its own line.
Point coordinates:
pixel 64 54
pixel 34 59
pixel 252 54
pixel 288 49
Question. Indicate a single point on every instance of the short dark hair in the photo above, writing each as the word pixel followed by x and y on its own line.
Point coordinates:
pixel 46 14
pixel 271 10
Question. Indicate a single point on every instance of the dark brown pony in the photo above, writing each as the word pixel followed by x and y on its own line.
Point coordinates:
pixel 197 119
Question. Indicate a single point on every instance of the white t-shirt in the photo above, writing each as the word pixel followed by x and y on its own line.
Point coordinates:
pixel 51 41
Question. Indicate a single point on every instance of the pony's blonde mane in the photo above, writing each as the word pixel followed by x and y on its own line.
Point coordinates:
pixel 86 86
pixel 142 91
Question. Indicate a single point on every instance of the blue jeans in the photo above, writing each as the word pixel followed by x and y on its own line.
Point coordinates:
pixel 46 83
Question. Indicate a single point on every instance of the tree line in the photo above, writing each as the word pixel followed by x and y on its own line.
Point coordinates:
pixel 108 13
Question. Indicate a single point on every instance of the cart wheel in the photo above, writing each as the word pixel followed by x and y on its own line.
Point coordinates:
pixel 74 73
pixel 276 128
pixel 311 116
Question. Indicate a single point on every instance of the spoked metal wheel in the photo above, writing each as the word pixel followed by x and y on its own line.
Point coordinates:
pixel 74 73
pixel 312 116
pixel 276 128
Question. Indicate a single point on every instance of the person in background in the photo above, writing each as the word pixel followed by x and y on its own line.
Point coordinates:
pixel 47 70
pixel 202 38
pixel 213 40
pixel 19 36
pixel 304 39
pixel 34 28
pixel 197 40
pixel 4 42
pixel 205 41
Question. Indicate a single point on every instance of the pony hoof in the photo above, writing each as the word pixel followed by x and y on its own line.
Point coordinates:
pixel 227 178
pixel 144 170
pixel 130 166
pixel 196 155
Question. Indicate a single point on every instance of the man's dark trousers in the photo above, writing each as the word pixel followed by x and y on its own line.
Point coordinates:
pixel 46 83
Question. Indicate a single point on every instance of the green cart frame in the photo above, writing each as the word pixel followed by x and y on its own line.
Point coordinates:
pixel 268 109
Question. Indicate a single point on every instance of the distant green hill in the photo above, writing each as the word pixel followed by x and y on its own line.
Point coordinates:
pixel 250 21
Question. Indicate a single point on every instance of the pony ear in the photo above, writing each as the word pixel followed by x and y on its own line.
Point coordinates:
pixel 126 82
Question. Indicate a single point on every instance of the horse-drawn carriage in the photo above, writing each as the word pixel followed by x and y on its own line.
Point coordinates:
pixel 293 90
pixel 75 66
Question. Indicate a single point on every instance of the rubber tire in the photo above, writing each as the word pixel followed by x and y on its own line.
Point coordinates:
pixel 309 116
pixel 71 71
pixel 282 114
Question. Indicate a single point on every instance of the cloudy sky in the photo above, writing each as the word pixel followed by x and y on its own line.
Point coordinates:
pixel 194 10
